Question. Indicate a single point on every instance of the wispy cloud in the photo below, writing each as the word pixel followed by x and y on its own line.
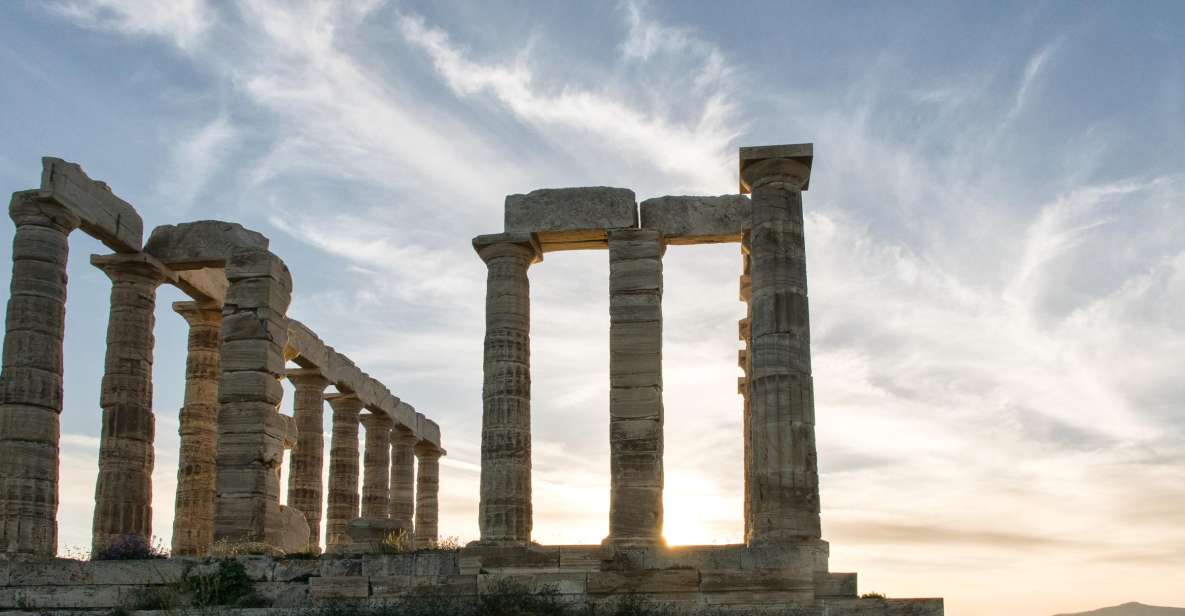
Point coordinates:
pixel 194 160
pixel 183 22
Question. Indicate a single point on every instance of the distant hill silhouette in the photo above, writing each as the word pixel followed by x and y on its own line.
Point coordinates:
pixel 1132 609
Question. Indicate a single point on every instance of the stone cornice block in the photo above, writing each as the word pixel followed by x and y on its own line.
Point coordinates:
pixel 105 216
pixel 696 219
pixel 571 218
pixel 202 243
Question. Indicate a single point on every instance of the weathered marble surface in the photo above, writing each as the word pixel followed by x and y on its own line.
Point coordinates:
pixel 697 220
pixel 100 213
pixel 783 478
pixel 193 517
pixel 504 512
pixel 635 379
pixel 31 380
pixel 571 218
pixel 123 492
pixel 343 503
pixel 305 490
pixel 427 515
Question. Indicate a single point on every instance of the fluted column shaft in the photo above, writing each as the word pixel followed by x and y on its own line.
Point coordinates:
pixel 343 468
pixel 427 496
pixel 783 482
pixel 31 379
pixel 505 509
pixel 193 520
pixel 403 476
pixel 376 466
pixel 635 395
pixel 305 493
pixel 123 492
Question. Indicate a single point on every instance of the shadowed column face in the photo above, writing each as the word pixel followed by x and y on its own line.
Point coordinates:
pixel 123 493
pixel 403 476
pixel 427 496
pixel 193 520
pixel 635 398
pixel 745 361
pixel 305 493
pixel 343 468
pixel 31 381
pixel 783 478
pixel 504 514
pixel 376 466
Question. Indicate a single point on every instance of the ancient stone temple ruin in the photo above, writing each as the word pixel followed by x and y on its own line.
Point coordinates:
pixel 233 437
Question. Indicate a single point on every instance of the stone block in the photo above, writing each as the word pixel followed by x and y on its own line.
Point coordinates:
pixel 257 264
pixel 311 350
pixel 256 355
pixel 882 607
pixel 566 218
pixel 436 563
pixel 835 585
pixel 635 276
pixel 294 530
pixel 283 595
pixel 103 215
pixel 345 587
pixel 259 293
pixel 385 565
pixel 756 599
pixel 565 583
pixel 47 573
pixel 635 307
pixel 697 220
pixel 643 581
pixel 249 386
pixel 582 557
pixel 635 402
pixel 144 572
pixel 511 558
pixel 200 244
pixel 295 569
pixel 803 153
pixel 258 324
pixel 720 580
pixel 66 597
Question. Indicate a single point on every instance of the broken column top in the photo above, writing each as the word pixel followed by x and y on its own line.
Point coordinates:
pixel 801 152
pixel 571 218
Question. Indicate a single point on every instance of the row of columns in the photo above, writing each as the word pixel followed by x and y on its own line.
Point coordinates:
pixel 781 476
pixel 228 422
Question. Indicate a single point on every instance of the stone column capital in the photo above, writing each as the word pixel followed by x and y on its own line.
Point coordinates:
pixel 516 245
pixel 428 451
pixel 345 403
pixel 199 313
pixel 131 268
pixel 785 164
pixel 28 208
pixel 308 379
pixel 376 421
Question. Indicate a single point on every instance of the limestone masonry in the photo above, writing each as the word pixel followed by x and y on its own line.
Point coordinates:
pixel 384 498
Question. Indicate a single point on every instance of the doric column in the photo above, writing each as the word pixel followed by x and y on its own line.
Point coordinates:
pixel 376 466
pixel 305 493
pixel 193 520
pixel 635 397
pixel 343 468
pixel 783 478
pixel 504 513
pixel 403 476
pixel 427 495
pixel 31 380
pixel 251 432
pixel 123 492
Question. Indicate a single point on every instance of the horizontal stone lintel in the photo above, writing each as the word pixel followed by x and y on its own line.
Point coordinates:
pixel 696 219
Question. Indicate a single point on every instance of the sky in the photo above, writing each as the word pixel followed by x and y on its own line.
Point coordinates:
pixel 995 245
